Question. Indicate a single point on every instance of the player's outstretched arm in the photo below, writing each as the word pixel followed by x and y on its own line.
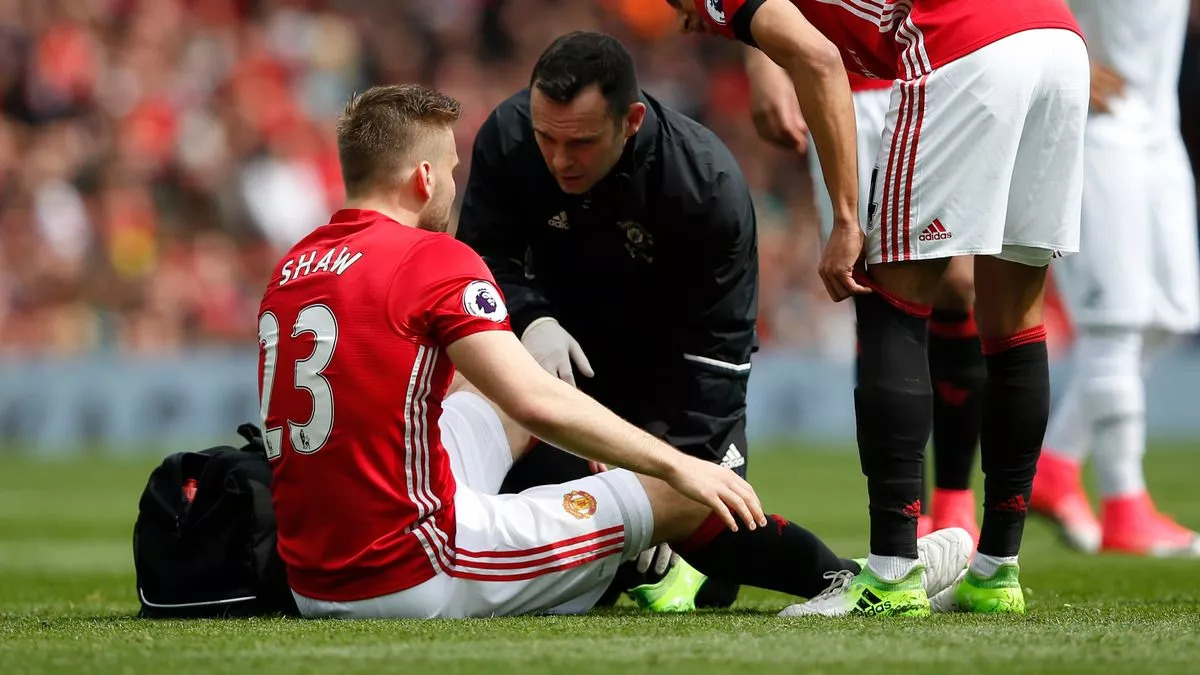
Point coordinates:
pixel 501 368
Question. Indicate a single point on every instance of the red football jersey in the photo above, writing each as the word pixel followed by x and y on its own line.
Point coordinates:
pixel 905 39
pixel 353 369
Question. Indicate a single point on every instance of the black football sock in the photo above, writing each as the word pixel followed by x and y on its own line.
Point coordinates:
pixel 958 372
pixel 780 557
pixel 925 501
pixel 1015 409
pixel 893 414
pixel 717 594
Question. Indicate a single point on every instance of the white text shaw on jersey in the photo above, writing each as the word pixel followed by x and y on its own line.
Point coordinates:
pixel 304 265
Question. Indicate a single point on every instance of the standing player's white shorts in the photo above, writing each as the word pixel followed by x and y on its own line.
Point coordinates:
pixel 549 549
pixel 984 155
pixel 870 112
pixel 1139 268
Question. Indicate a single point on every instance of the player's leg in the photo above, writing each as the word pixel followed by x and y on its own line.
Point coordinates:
pixel 714 592
pixel 680 587
pixel 1131 522
pixel 893 403
pixel 786 557
pixel 949 136
pixel 893 397
pixel 677 587
pixel 591 525
pixel 1049 69
pixel 1016 407
pixel 957 370
pixel 1110 311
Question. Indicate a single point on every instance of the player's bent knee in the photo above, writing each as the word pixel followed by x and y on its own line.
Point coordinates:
pixel 675 516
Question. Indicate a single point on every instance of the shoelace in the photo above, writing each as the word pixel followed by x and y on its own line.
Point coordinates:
pixel 840 581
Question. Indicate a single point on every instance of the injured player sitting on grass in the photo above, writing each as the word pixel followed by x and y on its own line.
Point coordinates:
pixel 390 507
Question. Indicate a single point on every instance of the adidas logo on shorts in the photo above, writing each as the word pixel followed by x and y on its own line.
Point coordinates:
pixel 733 459
pixel 935 232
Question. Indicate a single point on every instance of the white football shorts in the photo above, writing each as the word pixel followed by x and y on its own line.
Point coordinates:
pixel 984 155
pixel 1139 267
pixel 551 549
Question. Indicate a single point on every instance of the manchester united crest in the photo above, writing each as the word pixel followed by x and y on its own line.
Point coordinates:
pixel 638 241
pixel 579 504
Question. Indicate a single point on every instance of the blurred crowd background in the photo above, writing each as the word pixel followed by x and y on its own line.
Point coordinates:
pixel 156 156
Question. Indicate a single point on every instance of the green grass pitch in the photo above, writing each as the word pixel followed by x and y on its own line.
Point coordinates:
pixel 67 601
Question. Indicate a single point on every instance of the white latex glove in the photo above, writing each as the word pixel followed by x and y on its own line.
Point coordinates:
pixel 660 558
pixel 555 350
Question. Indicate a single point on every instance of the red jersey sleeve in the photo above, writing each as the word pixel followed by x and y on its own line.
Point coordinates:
pixel 445 292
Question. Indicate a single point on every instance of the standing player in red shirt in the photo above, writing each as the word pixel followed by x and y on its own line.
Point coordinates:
pixel 981 155
pixel 386 471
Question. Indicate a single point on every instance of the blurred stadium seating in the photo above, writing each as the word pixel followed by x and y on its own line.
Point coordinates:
pixel 157 155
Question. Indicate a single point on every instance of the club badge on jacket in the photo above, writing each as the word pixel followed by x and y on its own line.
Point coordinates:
pixel 638 241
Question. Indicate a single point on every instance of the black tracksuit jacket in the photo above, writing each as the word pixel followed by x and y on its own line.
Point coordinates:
pixel 654 271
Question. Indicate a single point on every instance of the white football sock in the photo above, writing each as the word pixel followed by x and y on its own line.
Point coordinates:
pixel 1068 433
pixel 985 566
pixel 890 567
pixel 1114 399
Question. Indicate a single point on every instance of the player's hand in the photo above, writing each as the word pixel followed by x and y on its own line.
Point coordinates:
pixel 597 467
pixel 841 255
pixel 1106 85
pixel 775 110
pixel 554 349
pixel 658 558
pixel 720 489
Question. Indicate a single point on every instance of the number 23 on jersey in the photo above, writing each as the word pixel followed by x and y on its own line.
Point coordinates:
pixel 307 382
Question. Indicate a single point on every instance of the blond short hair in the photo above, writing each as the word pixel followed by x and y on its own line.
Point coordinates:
pixel 381 126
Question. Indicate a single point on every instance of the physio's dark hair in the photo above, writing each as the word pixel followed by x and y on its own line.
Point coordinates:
pixel 577 60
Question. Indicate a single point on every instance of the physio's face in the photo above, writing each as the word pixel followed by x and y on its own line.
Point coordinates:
pixel 580 140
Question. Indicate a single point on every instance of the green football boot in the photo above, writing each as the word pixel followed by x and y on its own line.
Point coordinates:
pixel 1000 593
pixel 866 594
pixel 675 592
